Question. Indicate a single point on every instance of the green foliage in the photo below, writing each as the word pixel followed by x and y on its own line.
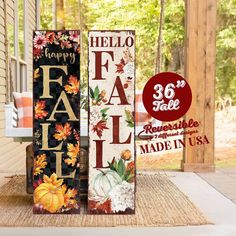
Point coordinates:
pixel 143 17
pixel 226 50
pixel 21 31
pixel 173 33
pixel 21 28
pixel 46 16
pixel 72 16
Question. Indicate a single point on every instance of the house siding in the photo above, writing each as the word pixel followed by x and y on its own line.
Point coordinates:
pixel 31 24
pixel 2 69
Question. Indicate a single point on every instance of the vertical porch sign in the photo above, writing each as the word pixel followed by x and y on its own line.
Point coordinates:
pixel 111 122
pixel 56 65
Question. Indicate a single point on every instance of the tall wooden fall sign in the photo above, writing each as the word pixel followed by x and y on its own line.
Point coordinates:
pixel 111 122
pixel 56 57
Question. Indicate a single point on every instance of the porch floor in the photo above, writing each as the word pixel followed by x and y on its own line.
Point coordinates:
pixel 13 162
pixel 223 180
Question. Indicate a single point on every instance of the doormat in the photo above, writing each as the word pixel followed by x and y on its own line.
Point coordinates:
pixel 158 203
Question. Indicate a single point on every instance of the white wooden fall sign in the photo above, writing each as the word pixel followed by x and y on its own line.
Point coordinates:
pixel 111 122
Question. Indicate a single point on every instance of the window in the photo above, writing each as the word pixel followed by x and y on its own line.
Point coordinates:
pixel 21 13
pixel 17 29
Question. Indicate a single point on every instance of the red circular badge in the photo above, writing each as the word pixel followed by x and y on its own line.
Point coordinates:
pixel 167 96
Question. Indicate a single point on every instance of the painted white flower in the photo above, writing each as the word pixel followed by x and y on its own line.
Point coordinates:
pixel 122 196
pixel 129 70
pixel 40 41
pixel 95 115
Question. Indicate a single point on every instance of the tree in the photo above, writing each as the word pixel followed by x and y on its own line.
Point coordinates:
pixel 60 15
pixel 159 39
pixel 46 15
pixel 146 18
pixel 142 16
pixel 226 50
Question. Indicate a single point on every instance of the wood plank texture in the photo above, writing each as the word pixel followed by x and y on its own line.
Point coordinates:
pixel 200 74
pixel 111 122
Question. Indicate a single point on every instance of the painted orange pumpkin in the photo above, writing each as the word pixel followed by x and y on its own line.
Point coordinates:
pixel 50 194
pixel 126 155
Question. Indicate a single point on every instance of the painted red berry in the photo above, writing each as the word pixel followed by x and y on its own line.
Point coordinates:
pixel 126 85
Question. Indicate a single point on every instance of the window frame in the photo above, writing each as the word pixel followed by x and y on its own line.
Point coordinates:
pixel 18 65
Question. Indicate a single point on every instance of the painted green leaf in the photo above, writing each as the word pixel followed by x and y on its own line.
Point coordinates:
pixel 126 175
pixel 129 177
pixel 115 165
pixel 104 110
pixel 96 92
pixel 121 168
pixel 127 114
pixel 91 92
pixel 111 166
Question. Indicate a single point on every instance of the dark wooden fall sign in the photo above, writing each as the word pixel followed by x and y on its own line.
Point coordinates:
pixel 56 59
pixel 111 122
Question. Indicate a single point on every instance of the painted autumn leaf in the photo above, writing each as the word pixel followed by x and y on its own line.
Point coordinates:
pixel 73 85
pixel 36 73
pixel 130 167
pixel 101 207
pixel 39 164
pixel 120 66
pixel 53 180
pixel 50 37
pixel 129 118
pixel 39 112
pixel 69 196
pixel 62 132
pixel 72 152
pixel 99 127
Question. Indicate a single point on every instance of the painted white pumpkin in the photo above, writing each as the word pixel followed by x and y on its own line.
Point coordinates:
pixel 105 181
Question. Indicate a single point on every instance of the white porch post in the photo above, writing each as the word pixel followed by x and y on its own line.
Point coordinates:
pixel 26 46
pixel 37 3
